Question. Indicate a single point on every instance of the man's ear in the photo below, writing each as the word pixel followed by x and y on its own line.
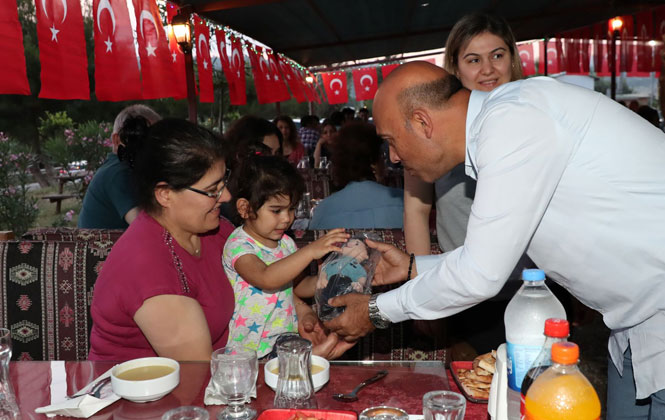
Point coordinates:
pixel 421 121
pixel 163 194
pixel 243 207
pixel 115 139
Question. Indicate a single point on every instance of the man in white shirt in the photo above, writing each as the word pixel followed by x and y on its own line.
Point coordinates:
pixel 565 174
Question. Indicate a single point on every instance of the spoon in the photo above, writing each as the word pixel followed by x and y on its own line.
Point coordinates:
pixel 353 395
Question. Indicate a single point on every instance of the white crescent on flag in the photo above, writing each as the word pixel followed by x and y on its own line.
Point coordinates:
pixel 202 37
pixel 222 51
pixel 64 8
pixel 263 60
pixel 366 76
pixel 334 81
pixel 105 5
pixel 528 57
pixel 234 55
pixel 147 15
pixel 552 50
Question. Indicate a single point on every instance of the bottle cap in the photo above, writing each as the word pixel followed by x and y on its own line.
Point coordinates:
pixel 557 327
pixel 566 353
pixel 533 274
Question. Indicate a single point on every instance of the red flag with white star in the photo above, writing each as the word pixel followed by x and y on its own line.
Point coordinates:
pixel 117 76
pixel 280 92
pixel 262 76
pixel 527 59
pixel 335 85
pixel 13 76
pixel 178 64
pixel 292 79
pixel 156 61
pixel 385 70
pixel 203 61
pixel 64 62
pixel 235 70
pixel 365 82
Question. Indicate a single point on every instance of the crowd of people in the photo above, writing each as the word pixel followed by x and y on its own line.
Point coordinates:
pixel 512 167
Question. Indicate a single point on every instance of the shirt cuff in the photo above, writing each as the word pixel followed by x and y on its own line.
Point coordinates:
pixel 426 262
pixel 388 304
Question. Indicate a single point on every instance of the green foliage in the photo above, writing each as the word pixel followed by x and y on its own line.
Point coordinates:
pixel 18 210
pixel 54 124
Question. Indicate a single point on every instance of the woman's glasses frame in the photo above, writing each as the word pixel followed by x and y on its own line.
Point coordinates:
pixel 215 195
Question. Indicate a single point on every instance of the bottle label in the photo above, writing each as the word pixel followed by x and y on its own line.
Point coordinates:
pixel 518 360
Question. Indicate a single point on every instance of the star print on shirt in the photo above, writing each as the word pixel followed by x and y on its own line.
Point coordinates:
pixel 241 321
pixel 272 299
pixel 278 304
pixel 239 338
pixel 279 322
pixel 265 333
pixel 242 301
pixel 256 309
pixel 289 310
pixel 255 291
pixel 254 328
pixel 265 345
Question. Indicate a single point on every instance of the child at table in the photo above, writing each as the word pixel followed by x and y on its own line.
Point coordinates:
pixel 260 260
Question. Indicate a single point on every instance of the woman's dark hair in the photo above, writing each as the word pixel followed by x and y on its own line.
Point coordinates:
pixel 172 151
pixel 356 148
pixel 293 136
pixel 475 24
pixel 245 134
pixel 261 177
pixel 326 122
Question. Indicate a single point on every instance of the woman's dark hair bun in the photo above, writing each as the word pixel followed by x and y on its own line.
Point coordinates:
pixel 132 135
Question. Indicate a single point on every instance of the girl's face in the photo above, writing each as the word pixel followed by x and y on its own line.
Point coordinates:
pixel 194 212
pixel 272 141
pixel 270 221
pixel 284 129
pixel 328 131
pixel 484 63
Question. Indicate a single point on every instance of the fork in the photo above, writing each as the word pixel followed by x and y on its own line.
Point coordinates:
pixel 95 391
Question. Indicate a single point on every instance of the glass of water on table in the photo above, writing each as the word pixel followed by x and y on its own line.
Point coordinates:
pixel 443 405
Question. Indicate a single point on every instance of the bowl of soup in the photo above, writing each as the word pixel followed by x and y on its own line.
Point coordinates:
pixel 320 372
pixel 145 379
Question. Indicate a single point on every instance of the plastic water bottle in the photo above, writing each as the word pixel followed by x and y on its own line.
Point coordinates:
pixel 525 320
pixel 556 331
pixel 562 392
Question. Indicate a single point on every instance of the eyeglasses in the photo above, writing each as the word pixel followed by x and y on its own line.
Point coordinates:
pixel 217 194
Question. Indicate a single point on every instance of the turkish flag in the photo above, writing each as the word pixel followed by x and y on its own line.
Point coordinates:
pixel 527 59
pixel 178 68
pixel 203 61
pixel 289 73
pixel 659 35
pixel 385 70
pixel 585 50
pixel 365 82
pixel 172 9
pixel 627 44
pixel 263 78
pixel 280 92
pixel 335 86
pixel 13 78
pixel 64 73
pixel 156 59
pixel 117 75
pixel 234 69
pixel 605 64
pixel 644 33
pixel 560 53
pixel 552 58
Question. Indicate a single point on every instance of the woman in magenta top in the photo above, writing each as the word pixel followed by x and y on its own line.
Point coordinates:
pixel 162 290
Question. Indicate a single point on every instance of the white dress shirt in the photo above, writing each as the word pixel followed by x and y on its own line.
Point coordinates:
pixel 576 180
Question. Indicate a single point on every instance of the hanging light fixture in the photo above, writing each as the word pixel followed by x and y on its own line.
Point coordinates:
pixel 181 32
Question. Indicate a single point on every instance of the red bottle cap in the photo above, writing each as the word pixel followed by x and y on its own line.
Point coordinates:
pixel 556 327
pixel 566 353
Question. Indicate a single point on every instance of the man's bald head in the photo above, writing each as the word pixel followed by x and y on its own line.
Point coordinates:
pixel 418 84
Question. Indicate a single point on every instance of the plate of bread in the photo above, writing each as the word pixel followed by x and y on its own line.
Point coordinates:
pixel 475 377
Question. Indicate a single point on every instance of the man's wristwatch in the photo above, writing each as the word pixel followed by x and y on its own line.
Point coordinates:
pixel 378 319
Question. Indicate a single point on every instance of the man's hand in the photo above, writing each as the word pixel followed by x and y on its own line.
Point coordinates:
pixel 324 344
pixel 393 266
pixel 354 322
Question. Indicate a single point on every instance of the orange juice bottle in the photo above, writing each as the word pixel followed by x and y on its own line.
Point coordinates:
pixel 562 392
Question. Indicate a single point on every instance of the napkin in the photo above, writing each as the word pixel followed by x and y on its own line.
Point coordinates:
pixel 213 397
pixel 82 406
pixel 497 405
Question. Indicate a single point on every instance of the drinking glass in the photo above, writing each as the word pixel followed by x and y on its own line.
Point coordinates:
pixel 186 413
pixel 234 371
pixel 443 405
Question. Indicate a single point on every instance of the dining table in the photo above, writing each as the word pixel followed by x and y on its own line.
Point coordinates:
pixel 40 383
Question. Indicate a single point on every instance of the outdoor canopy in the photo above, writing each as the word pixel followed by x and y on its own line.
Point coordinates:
pixel 322 32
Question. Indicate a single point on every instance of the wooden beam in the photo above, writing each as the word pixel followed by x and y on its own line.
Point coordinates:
pixel 214 6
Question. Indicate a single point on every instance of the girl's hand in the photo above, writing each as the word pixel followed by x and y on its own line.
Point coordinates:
pixel 327 243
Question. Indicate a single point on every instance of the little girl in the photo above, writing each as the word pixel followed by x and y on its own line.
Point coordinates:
pixel 260 260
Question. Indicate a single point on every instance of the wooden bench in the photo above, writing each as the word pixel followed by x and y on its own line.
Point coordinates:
pixel 57 199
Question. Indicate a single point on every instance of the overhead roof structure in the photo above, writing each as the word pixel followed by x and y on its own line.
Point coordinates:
pixel 322 32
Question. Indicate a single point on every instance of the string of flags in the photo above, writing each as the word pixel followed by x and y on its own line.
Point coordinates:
pixel 159 71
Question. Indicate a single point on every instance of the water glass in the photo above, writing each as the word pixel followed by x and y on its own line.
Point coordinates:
pixel 234 371
pixel 186 413
pixel 443 405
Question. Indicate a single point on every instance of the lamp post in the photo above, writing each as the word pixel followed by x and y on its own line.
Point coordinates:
pixel 183 36
pixel 615 27
pixel 310 79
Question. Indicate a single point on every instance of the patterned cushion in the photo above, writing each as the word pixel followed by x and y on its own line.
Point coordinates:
pixel 46 297
pixel 72 234
pixel 402 341
pixel 317 182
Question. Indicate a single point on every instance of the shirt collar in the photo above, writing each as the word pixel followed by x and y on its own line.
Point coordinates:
pixel 476 100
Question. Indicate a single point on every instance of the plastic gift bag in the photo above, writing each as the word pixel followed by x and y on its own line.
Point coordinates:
pixel 349 271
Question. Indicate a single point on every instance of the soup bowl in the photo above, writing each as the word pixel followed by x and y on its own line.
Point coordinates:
pixel 145 379
pixel 320 372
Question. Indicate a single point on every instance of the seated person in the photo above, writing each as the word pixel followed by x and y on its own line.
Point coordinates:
pixel 309 132
pixel 362 203
pixel 292 148
pixel 322 149
pixel 250 130
pixel 110 200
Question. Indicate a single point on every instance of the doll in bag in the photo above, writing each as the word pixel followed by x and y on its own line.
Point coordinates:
pixel 349 271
